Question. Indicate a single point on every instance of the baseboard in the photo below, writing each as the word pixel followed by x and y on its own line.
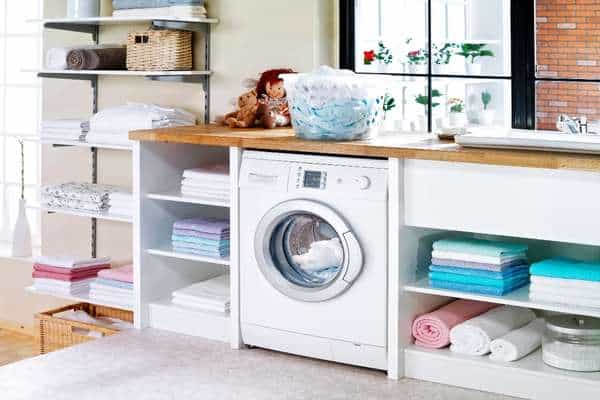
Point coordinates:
pixel 18 328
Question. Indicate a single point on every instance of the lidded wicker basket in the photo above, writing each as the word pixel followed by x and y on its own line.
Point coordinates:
pixel 159 50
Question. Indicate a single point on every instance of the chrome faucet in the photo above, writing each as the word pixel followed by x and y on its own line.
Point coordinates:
pixel 573 126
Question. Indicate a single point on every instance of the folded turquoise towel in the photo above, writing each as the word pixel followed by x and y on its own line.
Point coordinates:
pixel 476 280
pixel 199 240
pixel 481 289
pixel 503 274
pixel 567 269
pixel 479 247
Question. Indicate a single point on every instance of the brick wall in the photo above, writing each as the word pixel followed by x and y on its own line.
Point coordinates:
pixel 568 46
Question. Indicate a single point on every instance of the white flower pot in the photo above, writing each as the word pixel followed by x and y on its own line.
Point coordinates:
pixel 487 117
pixel 415 68
pixel 21 241
pixel 388 125
pixel 439 69
pixel 421 124
pixel 457 119
pixel 473 69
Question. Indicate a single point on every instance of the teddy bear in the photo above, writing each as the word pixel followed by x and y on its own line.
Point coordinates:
pixel 245 116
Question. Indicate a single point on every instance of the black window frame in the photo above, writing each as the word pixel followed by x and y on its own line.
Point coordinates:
pixel 523 77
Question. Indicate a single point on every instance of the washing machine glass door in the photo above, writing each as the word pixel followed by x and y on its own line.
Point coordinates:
pixel 307 251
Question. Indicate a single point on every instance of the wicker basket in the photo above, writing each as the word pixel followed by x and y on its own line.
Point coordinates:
pixel 159 50
pixel 57 333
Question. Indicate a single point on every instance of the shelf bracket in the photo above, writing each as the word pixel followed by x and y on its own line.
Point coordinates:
pixel 82 28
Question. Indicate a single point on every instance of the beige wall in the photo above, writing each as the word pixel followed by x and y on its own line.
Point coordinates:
pixel 250 37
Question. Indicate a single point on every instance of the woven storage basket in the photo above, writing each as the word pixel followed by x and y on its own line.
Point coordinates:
pixel 57 333
pixel 159 50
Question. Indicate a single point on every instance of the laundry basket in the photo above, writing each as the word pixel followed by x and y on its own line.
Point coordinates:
pixel 56 333
pixel 159 50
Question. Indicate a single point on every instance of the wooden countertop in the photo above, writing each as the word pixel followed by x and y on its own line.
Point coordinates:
pixel 396 145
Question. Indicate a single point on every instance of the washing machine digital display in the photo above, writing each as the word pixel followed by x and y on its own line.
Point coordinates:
pixel 313 179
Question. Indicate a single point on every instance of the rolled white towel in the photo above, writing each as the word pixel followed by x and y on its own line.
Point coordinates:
pixel 474 336
pixel 518 343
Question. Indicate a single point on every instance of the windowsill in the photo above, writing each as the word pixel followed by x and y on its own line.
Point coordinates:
pixel 5 253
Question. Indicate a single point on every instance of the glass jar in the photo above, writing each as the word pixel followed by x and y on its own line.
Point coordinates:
pixel 83 8
pixel 572 342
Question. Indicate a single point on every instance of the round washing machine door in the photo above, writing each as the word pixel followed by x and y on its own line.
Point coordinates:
pixel 307 251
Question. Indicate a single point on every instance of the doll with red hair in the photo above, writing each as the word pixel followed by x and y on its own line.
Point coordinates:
pixel 273 110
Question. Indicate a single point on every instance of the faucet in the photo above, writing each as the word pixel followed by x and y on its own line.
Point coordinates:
pixel 573 126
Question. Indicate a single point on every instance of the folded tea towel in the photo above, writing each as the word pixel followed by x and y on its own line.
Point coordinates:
pixel 518 343
pixel 172 11
pixel 206 225
pixel 217 286
pixel 115 284
pixel 479 247
pixel 210 173
pixel 558 297
pixel 126 4
pixel 478 280
pixel 200 252
pixel 476 265
pixel 119 120
pixel 573 357
pixel 62 287
pixel 73 204
pixel 212 236
pixel 321 254
pixel 56 58
pixel 474 336
pixel 87 192
pixel 507 273
pixel 61 270
pixel 202 194
pixel 96 59
pixel 99 287
pixel 567 269
pixel 210 243
pixel 481 289
pixel 71 262
pixel 206 250
pixel 544 282
pixel 432 330
pixel 77 276
pixel 124 273
pixel 470 257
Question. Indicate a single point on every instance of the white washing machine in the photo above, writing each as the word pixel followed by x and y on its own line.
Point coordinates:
pixel 313 256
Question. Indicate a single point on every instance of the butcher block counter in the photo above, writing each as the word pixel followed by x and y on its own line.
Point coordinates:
pixel 389 145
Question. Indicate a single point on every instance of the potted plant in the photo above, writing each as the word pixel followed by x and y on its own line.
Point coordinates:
pixel 487 115
pixel 423 100
pixel 368 57
pixel 389 103
pixel 21 241
pixel 383 55
pixel 441 57
pixel 472 52
pixel 457 116
pixel 416 59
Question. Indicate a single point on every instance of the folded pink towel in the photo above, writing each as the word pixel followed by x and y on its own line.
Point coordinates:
pixel 68 271
pixel 78 276
pixel 432 330
pixel 123 274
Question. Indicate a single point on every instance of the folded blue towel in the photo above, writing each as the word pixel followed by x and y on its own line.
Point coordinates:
pixel 480 247
pixel 503 274
pixel 114 283
pixel 481 289
pixel 476 280
pixel 128 4
pixel 201 241
pixel 200 247
pixel 567 269
pixel 199 252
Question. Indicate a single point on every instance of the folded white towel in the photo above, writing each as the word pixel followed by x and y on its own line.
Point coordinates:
pixel 173 11
pixel 71 262
pixel 218 286
pixel 557 298
pixel 216 172
pixel 474 336
pixel 204 194
pixel 201 307
pixel 561 283
pixel 450 255
pixel 564 292
pixel 206 299
pixel 518 343
pixel 57 284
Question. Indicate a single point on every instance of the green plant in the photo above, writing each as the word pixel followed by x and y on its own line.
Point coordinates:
pixel 424 101
pixel 486 99
pixel 389 103
pixel 417 57
pixel 383 53
pixel 456 104
pixel 474 50
pixel 442 55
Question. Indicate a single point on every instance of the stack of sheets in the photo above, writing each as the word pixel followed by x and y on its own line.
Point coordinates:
pixel 159 8
pixel 207 237
pixel 64 129
pixel 112 125
pixel 208 182
pixel 66 276
pixel 210 295
pixel 479 266
pixel 566 281
pixel 80 196
pixel 114 286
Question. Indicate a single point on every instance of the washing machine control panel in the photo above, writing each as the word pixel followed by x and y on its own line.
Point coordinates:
pixel 311 179
pixel 336 179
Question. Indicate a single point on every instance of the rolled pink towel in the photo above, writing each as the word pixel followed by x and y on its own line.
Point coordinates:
pixel 432 330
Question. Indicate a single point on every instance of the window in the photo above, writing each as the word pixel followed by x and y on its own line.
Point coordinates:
pixel 20 50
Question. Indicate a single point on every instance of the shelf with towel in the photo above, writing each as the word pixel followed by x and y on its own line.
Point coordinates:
pixel 519 298
pixel 79 24
pixel 176 196
pixel 89 214
pixel 167 251
pixel 199 76
pixel 526 378
pixel 82 298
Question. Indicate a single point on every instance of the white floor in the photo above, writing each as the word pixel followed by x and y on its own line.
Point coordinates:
pixel 153 364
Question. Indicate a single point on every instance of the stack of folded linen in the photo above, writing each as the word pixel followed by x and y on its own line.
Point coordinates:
pixel 159 8
pixel 479 266
pixel 112 125
pixel 114 286
pixel 210 295
pixel 121 203
pixel 66 276
pixel 208 182
pixel 566 281
pixel 202 236
pixel 64 129
pixel 79 196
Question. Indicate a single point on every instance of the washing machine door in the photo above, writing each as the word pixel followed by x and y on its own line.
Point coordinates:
pixel 307 251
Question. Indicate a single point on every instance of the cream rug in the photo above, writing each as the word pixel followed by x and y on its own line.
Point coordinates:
pixel 152 364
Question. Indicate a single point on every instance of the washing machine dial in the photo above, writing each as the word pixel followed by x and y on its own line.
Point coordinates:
pixel 363 182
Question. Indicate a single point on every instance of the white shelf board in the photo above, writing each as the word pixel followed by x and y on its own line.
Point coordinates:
pixel 78 143
pixel 89 214
pixel 124 20
pixel 167 251
pixel 120 72
pixel 83 298
pixel 211 325
pixel 528 377
pixel 176 196
pixel 518 298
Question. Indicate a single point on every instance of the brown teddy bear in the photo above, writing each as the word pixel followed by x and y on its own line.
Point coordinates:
pixel 245 116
